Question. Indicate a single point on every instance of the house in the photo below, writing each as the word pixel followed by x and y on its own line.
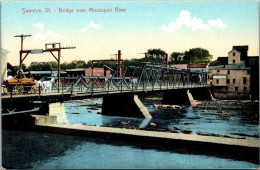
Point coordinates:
pixel 203 67
pixel 235 79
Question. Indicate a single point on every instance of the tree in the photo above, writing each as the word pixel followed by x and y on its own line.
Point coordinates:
pixel 196 55
pixel 11 69
pixel 176 58
pixel 156 56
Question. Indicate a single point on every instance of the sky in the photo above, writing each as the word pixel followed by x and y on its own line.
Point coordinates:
pixel 173 26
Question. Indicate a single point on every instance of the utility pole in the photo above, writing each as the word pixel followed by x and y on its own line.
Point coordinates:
pixel 21 52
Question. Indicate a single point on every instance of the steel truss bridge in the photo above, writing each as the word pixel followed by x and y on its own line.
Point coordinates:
pixel 146 77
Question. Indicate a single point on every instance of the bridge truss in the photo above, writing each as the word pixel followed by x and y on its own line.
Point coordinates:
pixel 146 77
pixel 136 78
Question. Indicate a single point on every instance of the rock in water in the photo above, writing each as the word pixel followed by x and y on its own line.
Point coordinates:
pixel 153 124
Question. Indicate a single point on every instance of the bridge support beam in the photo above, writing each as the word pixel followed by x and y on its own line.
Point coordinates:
pixel 179 97
pixel 127 105
pixel 201 94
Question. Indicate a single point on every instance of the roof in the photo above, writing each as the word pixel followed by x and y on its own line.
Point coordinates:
pixel 230 67
pixel 240 47
pixel 223 60
pixel 76 69
pixel 179 66
pixel 198 65
pixel 44 72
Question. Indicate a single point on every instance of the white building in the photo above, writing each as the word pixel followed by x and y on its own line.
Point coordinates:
pixel 3 64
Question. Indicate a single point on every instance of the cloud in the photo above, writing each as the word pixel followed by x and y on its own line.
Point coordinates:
pixel 217 23
pixel 91 25
pixel 94 26
pixel 185 20
pixel 49 33
pixel 39 25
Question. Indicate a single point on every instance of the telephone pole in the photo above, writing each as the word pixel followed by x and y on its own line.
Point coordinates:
pixel 21 52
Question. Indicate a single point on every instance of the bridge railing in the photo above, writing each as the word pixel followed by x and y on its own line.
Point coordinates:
pixel 145 78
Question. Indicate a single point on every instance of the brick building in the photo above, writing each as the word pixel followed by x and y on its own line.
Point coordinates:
pixel 99 72
pixel 77 72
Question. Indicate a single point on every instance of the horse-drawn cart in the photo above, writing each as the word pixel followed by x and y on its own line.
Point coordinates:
pixel 19 86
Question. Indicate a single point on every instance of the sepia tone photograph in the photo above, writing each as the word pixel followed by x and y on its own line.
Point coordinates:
pixel 130 84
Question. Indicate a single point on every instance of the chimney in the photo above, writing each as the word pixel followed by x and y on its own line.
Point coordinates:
pixel 166 59
pixel 119 56
pixel 120 71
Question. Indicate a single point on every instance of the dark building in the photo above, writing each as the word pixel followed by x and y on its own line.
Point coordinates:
pixel 222 60
pixel 243 50
pixel 253 63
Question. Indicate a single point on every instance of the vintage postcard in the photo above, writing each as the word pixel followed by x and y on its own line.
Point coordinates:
pixel 130 84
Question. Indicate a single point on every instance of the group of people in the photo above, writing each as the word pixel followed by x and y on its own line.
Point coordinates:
pixel 21 75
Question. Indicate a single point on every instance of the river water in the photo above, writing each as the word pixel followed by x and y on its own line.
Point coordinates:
pixel 36 150
pixel 232 119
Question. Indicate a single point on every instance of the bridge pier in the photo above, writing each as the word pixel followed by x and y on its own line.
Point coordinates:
pixel 178 97
pixel 201 94
pixel 127 105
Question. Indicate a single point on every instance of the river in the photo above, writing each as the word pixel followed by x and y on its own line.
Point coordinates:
pixel 37 150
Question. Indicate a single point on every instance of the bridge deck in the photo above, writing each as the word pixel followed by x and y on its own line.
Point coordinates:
pixel 99 92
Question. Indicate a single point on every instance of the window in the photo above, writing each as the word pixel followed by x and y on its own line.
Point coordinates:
pixel 234 80
pixel 244 80
pixel 217 71
pixel 248 71
pixel 228 72
pixel 217 81
pixel 228 81
pixel 236 88
pixel 234 61
pixel 245 88
pixel 234 54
